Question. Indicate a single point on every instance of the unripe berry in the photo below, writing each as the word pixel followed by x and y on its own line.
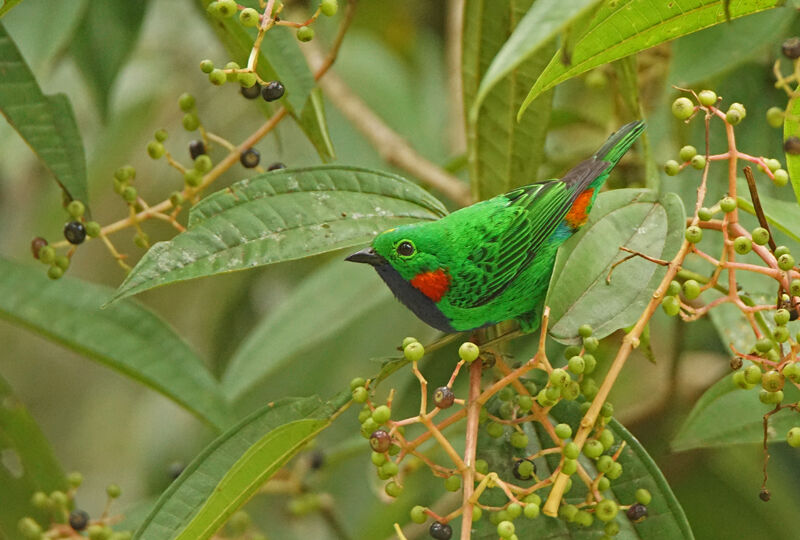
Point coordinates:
pixel 217 77
pixel 381 414
pixel 691 289
pixel 591 363
pixel 764 345
pixel 47 254
pixel 203 163
pixel 495 430
pixel 727 204
pixel 563 431
pixel 206 66
pixel 523 469
pixel 328 7
pixel 305 33
pixel 780 178
pixel 192 177
pixel 792 145
pixel 593 449
pixel 571 450
pixel 672 167
pixel 775 117
pixel 452 483
pixel 468 352
pixel 29 528
pixel 155 149
pixel 611 529
pixel 570 351
pixel 531 511
pixel 190 122
pixel 794 287
pixel 418 514
pixel 142 240
pixel 607 410
pixel 603 484
pixel 793 437
pixel 760 236
pixel 671 305
pixel 249 17
pixel 224 8
pixel 742 245
pixel 698 162
pixel 569 467
pixel 704 214
pixel 673 288
pixel 505 529
pixel 682 108
pixel 393 489
pixel 707 97
pixel 559 377
pixel 733 117
pixel 687 152
pixel 519 440
pixel 770 398
pixel 414 351
pixel 694 234
pixel 781 334
pixel 591 343
pixel 232 75
pixel 186 103
pixel 113 491
pixel 360 394
pixel 606 510
pixel 389 469
pixel 482 466
pixel 606 438
pixel 443 397
pixel 585 330
pixel 176 199
pixel 781 250
pixel 772 164
pixel 76 209
pixel 739 381
pixel 247 80
pixel 785 262
pixel 524 402
pixel 782 317
pixel 604 464
pixel 250 92
pixel 75 232
pixel 772 381
pixel 576 365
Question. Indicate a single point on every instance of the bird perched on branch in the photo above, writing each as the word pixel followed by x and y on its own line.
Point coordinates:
pixel 492 261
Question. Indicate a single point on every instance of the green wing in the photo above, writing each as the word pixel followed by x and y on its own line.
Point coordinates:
pixel 512 235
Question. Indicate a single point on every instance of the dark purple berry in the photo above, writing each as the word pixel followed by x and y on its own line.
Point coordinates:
pixel 272 90
pixel 251 92
pixel 443 397
pixel 275 166
pixel 440 531
pixel 764 494
pixel 792 145
pixel 197 148
pixel 380 441
pixel 523 469
pixel 37 244
pixel 250 158
pixel 317 460
pixel 78 520
pixel 637 512
pixel 75 232
pixel 791 48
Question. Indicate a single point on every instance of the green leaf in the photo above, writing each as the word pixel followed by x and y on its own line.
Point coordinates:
pixel 282 215
pixel 27 464
pixel 7 6
pixel 579 294
pixel 106 36
pixel 784 215
pixel 327 301
pixel 232 468
pixel 315 126
pixel 726 414
pixel 666 519
pixel 624 27
pixel 791 128
pixel 127 337
pixel 46 123
pixel 501 152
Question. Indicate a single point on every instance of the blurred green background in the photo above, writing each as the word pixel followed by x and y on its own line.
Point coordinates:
pixel 114 430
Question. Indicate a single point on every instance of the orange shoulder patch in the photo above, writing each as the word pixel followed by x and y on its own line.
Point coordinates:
pixel 434 284
pixel 577 215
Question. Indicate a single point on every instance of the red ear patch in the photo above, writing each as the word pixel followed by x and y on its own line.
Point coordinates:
pixel 434 284
pixel 577 215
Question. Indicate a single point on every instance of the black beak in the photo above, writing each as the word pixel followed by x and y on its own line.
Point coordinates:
pixel 367 255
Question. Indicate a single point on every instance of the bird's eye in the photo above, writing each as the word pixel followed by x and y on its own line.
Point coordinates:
pixel 405 248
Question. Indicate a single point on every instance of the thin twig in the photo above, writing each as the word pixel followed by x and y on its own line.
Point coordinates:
pixel 762 219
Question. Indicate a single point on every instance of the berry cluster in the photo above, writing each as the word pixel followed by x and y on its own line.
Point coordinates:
pixel 505 407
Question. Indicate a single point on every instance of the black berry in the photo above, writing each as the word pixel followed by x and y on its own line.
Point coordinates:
pixel 440 531
pixel 250 158
pixel 792 145
pixel 275 166
pixel 251 92
pixel 791 48
pixel 78 520
pixel 272 90
pixel 317 459
pixel 75 232
pixel 380 441
pixel 764 494
pixel 637 512
pixel 36 245
pixel 196 148
pixel 443 397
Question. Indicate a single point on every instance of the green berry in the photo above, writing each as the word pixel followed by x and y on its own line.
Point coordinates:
pixel 523 469
pixel 305 33
pixel 389 469
pixel 585 330
pixel 414 351
pixel 29 528
pixel 360 394
pixel 408 340
pixel 563 431
pixel 672 167
pixel 698 162
pixel 482 466
pixel 780 178
pixel 568 511
pixel 593 449
pixel 691 289
pixel 591 343
pixel 782 317
pixel 203 163
pixel 738 107
pixel 733 117
pixel 186 103
pixel 742 245
pixel 760 236
pixel 606 438
pixel 752 374
pixel 607 410
pixel 687 152
pixel 772 164
pixel 739 381
pixel 381 414
pixel 248 82
pixel 794 287
pixel 704 214
pixel 217 77
pixel 781 250
pixel 531 511
pixel 606 510
pixel 62 261
pixel 764 345
pixel 452 483
pixel 249 17
pixel 176 199
pixel 775 117
pixel 206 66
pixel 328 7
pixel 793 437
pixel 671 305
pixel 571 450
pixel 477 513
pixel 393 489
pixel 505 529
pixel 155 149
pixel 40 500
pixel 495 430
pixel 559 378
pixel 192 177
pixel 694 234
pixel 576 365
pixel 76 209
pixel 569 467
pixel 591 363
pixel 226 8
pixel 772 381
pixel 418 514
pixel 673 288
pixel 604 464
pixel 588 387
pixel 47 254
pixel 611 529
pixel 519 440
pixel 113 491
pixel 378 458
pixel 190 122
pixel 142 240
pixel 468 352
pixel 770 398
pixel 514 510
pixel 786 262
pixel 524 402
pixel 643 496
pixel 728 204
pixel 707 97
pixel 603 484
pixel 682 108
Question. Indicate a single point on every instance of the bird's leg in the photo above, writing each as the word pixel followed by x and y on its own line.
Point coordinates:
pixel 631 256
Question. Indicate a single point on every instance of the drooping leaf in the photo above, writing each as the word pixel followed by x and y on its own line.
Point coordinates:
pixel 501 152
pixel 27 464
pixel 127 337
pixel 106 36
pixel 326 302
pixel 579 294
pixel 46 123
pixel 282 215
pixel 315 126
pixel 726 414
pixel 621 28
pixel 791 128
pixel 232 468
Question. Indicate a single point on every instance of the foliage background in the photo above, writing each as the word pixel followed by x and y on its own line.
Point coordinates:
pixel 114 430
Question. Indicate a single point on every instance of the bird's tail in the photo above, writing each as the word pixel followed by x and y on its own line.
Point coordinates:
pixel 619 142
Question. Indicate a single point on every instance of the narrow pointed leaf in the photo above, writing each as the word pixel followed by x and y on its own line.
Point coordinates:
pixel 791 128
pixel 46 123
pixel 621 28
pixel 282 215
pixel 232 468
pixel 502 153
pixel 315 125
pixel 783 215
pixel 7 6
pixel 127 337
pixel 27 464
pixel 579 293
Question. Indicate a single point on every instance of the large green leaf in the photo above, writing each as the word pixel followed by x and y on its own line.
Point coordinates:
pixel 232 468
pixel 624 27
pixel 106 36
pixel 726 414
pixel 791 128
pixel 666 519
pixel 127 337
pixel 637 219
pixel 27 464
pixel 502 153
pixel 327 301
pixel 282 215
pixel 46 123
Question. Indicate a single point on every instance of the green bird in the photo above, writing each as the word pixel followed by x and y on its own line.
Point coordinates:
pixel 492 261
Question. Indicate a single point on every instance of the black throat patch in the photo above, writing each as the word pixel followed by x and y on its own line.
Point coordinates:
pixel 422 306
